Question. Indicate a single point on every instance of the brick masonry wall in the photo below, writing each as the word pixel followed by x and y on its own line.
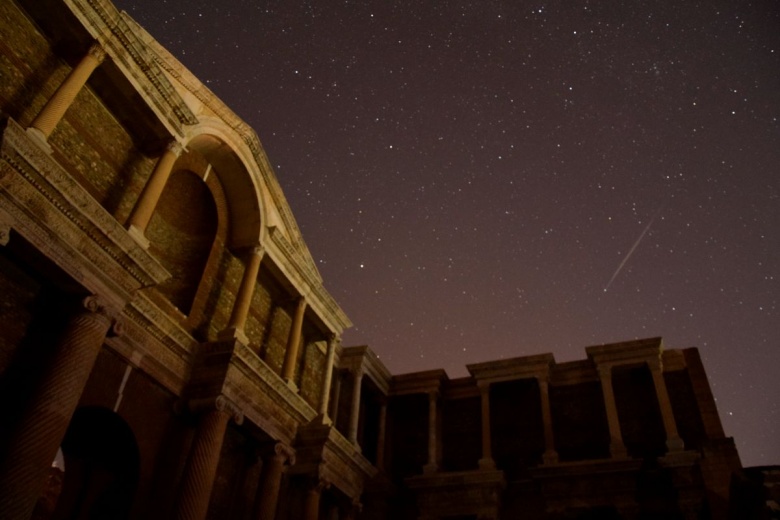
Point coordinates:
pixel 639 412
pixel 516 425
pixel 579 421
pixel 461 433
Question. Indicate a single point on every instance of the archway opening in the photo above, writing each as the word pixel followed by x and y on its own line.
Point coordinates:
pixel 102 465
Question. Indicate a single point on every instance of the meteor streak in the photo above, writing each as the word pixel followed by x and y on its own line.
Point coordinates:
pixel 631 251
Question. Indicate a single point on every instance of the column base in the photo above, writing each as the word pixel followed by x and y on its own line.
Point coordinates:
pixel 430 468
pixel 233 333
pixel 486 463
pixel 618 451
pixel 138 235
pixel 550 457
pixel 291 385
pixel 39 139
pixel 675 444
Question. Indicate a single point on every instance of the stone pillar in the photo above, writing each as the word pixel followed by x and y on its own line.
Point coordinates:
pixel 201 468
pixel 150 196
pixel 293 342
pixel 235 327
pixel 673 440
pixel 486 462
pixel 354 410
pixel 327 378
pixel 311 504
pixel 334 405
pixel 550 456
pixel 380 439
pixel 51 114
pixel 616 447
pixel 433 464
pixel 34 440
pixel 268 492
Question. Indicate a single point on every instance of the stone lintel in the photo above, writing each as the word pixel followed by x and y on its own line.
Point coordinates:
pixel 626 353
pixel 516 368
pixel 574 372
pixel 418 382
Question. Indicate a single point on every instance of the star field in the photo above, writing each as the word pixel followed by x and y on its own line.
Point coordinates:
pixel 484 180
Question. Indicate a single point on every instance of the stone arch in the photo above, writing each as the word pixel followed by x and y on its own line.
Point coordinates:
pixel 234 163
pixel 102 465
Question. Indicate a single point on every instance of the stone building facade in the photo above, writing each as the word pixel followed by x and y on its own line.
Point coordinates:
pixel 167 340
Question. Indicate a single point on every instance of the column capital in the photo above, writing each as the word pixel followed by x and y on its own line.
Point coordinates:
pixel 285 453
pixel 175 147
pixel 219 403
pixel 97 52
pixel 99 306
pixel 655 364
pixel 604 371
pixel 484 386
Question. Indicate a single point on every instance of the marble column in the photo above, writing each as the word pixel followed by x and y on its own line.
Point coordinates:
pixel 673 440
pixel 433 418
pixel 32 442
pixel 486 462
pixel 271 480
pixel 354 409
pixel 51 114
pixel 201 468
pixel 381 435
pixel 327 378
pixel 151 193
pixel 550 456
pixel 243 301
pixel 293 343
pixel 616 447
pixel 311 504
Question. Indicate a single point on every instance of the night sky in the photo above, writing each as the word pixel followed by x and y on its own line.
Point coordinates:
pixel 489 179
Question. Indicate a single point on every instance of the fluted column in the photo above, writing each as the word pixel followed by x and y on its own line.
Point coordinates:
pixel 51 114
pixel 673 440
pixel 268 492
pixel 293 342
pixel 432 466
pixel 381 435
pixel 237 322
pixel 311 504
pixel 33 441
pixel 201 468
pixel 354 410
pixel 327 378
pixel 486 462
pixel 616 447
pixel 150 196
pixel 550 456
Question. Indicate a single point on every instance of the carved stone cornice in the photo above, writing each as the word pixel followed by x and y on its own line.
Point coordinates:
pixel 56 214
pixel 119 37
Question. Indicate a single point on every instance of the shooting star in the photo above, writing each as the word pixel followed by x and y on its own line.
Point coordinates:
pixel 633 248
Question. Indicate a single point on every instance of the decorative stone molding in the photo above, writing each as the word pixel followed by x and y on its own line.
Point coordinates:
pixel 98 305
